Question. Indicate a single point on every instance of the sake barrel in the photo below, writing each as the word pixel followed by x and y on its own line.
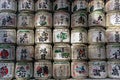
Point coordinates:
pixel 61 70
pixel 24 53
pixel 26 5
pixel 96 35
pixel 43 19
pixel 97 69
pixel 43 35
pixel 43 5
pixel 8 20
pixel 61 35
pixel 61 5
pixel 79 35
pixel 79 69
pixel 79 5
pixel 42 69
pixel 25 21
pixel 79 52
pixel 61 52
pixel 8 5
pixel 43 52
pixel 8 36
pixel 96 5
pixel 25 37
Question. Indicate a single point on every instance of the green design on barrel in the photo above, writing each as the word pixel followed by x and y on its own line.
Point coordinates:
pixel 62 36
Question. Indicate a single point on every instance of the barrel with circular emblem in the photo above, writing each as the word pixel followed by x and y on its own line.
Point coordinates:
pixel 79 35
pixel 61 35
pixel 8 36
pixel 25 37
pixel 79 69
pixel 61 5
pixel 96 35
pixel 79 52
pixel 97 69
pixel 114 69
pixel 61 70
pixel 61 19
pixel 61 51
pixel 43 5
pixel 42 69
pixel 25 21
pixel 113 35
pixel 79 19
pixel 112 5
pixel 113 51
pixel 97 52
pixel 8 5
pixel 43 52
pixel 6 70
pixel 26 5
pixel 7 52
pixel 7 20
pixel 113 19
pixel 96 18
pixel 24 53
pixel 96 5
pixel 43 19
pixel 80 5
pixel 23 70
pixel 43 35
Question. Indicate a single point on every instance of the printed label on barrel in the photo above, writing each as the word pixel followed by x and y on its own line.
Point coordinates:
pixel 24 53
pixel 61 35
pixel 23 70
pixel 43 19
pixel 7 20
pixel 113 51
pixel 112 5
pixel 96 5
pixel 7 5
pixel 25 21
pixel 25 37
pixel 96 36
pixel 79 5
pixel 97 18
pixel 61 19
pixel 43 36
pixel 6 70
pixel 79 20
pixel 79 52
pixel 97 69
pixel 61 70
pixel 43 5
pixel 43 51
pixel 61 5
pixel 79 69
pixel 7 36
pixel 97 51
pixel 113 35
pixel 61 52
pixel 79 36
pixel 113 19
pixel 114 69
pixel 26 5
pixel 7 52
pixel 43 69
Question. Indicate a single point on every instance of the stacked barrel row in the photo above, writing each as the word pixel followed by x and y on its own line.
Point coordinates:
pixel 79 39
pixel 112 8
pixel 7 38
pixel 61 39
pixel 43 39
